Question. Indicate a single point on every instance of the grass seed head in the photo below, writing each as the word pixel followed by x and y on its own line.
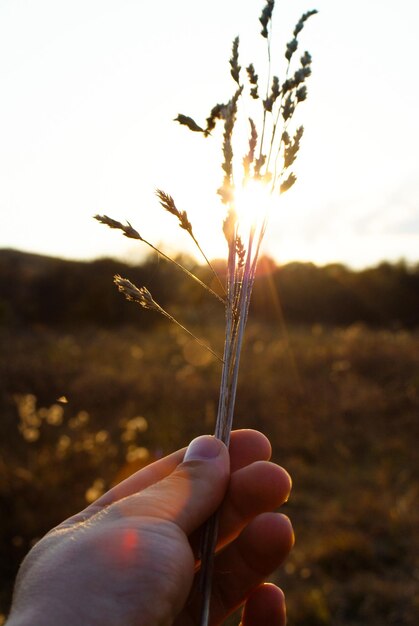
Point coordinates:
pixel 229 226
pixel 189 122
pixel 135 294
pixel 249 158
pixel 169 205
pixel 287 183
pixel 127 229
pixel 301 94
pixel 253 80
pixel 226 191
pixel 234 62
pixel 306 59
pixel 300 24
pixel 259 163
pixel 240 251
pixel 218 112
pixel 291 48
pixel 275 92
pixel 288 107
pixel 266 17
pixel 292 148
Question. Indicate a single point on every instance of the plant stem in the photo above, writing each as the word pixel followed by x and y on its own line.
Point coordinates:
pixel 208 262
pixel 239 288
pixel 183 268
pixel 201 343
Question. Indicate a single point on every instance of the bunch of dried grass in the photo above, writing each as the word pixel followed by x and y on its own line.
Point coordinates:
pixel 271 153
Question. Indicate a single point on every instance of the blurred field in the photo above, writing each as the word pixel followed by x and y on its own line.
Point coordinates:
pixel 81 409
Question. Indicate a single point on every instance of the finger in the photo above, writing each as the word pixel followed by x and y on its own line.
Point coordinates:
pixel 254 489
pixel 190 494
pixel 246 446
pixel 142 479
pixel 245 564
pixel 265 605
pixel 133 484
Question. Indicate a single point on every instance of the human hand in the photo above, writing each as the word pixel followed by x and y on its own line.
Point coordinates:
pixel 130 558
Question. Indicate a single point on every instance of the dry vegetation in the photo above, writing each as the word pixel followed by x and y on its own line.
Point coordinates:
pixel 339 405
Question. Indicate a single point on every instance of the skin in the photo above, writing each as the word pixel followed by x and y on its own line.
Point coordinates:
pixel 130 558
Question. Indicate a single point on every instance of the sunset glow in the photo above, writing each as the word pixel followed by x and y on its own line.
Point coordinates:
pixel 89 128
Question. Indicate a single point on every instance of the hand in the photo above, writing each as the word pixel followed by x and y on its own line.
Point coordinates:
pixel 130 557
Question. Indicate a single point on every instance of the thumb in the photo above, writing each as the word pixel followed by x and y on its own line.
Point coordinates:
pixel 191 493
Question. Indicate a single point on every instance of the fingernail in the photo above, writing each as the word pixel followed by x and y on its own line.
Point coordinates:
pixel 203 448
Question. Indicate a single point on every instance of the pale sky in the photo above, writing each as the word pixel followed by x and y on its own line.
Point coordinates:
pixel 89 90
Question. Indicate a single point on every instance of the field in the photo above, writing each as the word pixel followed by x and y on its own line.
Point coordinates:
pixel 82 409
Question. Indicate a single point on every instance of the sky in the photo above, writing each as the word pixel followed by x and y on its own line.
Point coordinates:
pixel 89 90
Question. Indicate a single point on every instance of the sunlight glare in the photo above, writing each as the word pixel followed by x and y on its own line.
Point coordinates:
pixel 252 202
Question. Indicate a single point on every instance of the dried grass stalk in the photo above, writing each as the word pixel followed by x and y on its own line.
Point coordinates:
pixel 130 232
pixel 143 297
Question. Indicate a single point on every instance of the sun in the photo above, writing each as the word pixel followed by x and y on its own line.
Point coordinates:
pixel 252 204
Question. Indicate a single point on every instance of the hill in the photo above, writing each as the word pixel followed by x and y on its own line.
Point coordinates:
pixel 38 290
